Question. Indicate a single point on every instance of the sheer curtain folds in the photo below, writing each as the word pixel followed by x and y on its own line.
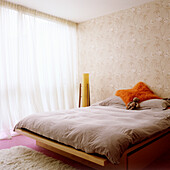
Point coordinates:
pixel 38 66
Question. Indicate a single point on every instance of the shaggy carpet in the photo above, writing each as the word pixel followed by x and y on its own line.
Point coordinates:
pixel 21 157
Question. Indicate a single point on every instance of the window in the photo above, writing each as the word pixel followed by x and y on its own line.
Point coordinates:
pixel 38 66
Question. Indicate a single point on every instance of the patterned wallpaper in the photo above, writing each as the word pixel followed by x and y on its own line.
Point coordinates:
pixel 123 48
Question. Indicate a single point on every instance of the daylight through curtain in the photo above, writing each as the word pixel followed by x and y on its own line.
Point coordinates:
pixel 38 66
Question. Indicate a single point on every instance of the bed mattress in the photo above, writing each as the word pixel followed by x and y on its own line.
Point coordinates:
pixel 104 130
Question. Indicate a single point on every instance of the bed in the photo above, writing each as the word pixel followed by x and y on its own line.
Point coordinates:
pixel 105 135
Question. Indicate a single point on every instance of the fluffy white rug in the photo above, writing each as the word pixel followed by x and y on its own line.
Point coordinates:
pixel 23 158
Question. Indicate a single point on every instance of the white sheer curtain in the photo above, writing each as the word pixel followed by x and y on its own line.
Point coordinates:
pixel 38 66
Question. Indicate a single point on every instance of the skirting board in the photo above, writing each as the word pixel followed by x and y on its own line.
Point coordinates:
pixel 136 157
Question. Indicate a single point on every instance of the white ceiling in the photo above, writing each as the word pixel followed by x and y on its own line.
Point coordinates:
pixel 79 10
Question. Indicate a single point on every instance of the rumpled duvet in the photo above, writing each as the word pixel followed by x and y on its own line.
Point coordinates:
pixel 105 130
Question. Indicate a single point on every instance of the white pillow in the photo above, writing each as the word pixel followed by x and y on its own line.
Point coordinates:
pixel 154 104
pixel 110 101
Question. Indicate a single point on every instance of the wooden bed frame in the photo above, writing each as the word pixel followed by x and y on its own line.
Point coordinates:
pixel 136 157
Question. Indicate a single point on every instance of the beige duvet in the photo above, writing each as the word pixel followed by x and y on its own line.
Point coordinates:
pixel 105 130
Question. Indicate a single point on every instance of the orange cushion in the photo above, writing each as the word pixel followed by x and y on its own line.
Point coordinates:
pixel 140 90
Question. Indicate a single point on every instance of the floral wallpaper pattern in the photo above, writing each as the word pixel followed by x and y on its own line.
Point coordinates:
pixel 123 48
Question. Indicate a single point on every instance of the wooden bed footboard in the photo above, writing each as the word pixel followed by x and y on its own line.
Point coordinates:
pixel 136 157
